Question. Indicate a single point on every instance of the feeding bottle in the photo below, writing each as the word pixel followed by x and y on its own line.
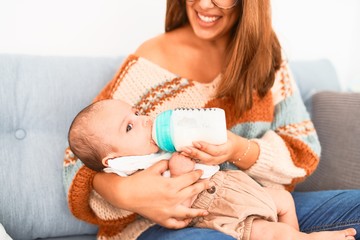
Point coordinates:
pixel 180 127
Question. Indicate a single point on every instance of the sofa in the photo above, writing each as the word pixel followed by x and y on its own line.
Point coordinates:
pixel 40 95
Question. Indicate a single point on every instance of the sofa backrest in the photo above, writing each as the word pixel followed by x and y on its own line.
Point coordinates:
pixel 314 76
pixel 39 97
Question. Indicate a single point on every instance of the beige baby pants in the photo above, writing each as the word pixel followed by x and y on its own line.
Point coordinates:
pixel 233 204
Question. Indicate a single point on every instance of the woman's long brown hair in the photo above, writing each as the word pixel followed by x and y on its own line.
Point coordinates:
pixel 254 52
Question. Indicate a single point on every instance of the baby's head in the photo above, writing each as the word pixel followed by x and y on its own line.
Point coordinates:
pixel 108 129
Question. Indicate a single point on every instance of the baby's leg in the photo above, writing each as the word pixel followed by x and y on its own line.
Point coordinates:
pixel 285 206
pixel 265 230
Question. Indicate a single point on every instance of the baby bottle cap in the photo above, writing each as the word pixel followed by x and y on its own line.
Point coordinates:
pixel 161 131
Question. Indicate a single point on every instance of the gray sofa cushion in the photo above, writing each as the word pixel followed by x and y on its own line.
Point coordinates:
pixel 39 97
pixel 336 118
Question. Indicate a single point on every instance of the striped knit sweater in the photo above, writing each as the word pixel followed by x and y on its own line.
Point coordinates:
pixel 279 123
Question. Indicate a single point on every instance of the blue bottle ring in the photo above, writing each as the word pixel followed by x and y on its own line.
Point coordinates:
pixel 163 131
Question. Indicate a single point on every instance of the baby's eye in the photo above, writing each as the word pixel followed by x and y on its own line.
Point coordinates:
pixel 137 113
pixel 129 127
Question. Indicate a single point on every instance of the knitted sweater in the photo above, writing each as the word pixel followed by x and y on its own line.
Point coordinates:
pixel 279 123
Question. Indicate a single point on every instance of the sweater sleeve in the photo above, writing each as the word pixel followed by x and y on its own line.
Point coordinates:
pixel 84 203
pixel 290 149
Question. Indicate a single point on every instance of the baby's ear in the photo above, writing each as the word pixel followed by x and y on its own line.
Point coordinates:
pixel 104 161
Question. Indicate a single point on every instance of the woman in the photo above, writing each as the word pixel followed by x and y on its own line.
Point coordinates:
pixel 214 53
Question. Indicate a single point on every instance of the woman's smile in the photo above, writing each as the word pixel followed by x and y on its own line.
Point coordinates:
pixel 207 18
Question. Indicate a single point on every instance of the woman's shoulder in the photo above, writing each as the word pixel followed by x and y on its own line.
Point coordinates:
pixel 163 49
pixel 155 49
pixel 150 47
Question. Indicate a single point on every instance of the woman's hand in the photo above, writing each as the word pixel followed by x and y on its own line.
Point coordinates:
pixel 153 196
pixel 211 154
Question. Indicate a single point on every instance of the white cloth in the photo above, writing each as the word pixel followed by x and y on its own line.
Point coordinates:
pixel 3 234
pixel 125 166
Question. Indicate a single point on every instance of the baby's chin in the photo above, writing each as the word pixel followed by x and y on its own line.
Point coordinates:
pixel 156 149
pixel 153 148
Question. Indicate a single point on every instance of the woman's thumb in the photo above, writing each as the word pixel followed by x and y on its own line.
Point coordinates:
pixel 160 167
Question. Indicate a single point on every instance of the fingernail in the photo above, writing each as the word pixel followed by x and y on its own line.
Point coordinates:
pixel 184 154
pixel 186 150
pixel 197 145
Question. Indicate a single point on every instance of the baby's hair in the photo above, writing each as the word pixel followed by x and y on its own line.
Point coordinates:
pixel 83 142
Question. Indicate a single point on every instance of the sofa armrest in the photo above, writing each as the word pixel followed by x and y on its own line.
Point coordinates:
pixel 336 118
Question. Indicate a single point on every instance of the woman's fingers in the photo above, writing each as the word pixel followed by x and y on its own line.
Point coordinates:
pixel 195 153
pixel 176 223
pixel 211 154
pixel 193 190
pixel 160 167
pixel 209 149
pixel 178 188
pixel 188 180
pixel 185 181
pixel 183 215
pixel 184 212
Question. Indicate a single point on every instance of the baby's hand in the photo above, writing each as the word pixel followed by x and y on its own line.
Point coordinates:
pixel 180 164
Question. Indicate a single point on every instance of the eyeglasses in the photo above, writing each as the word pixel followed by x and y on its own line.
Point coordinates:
pixel 223 4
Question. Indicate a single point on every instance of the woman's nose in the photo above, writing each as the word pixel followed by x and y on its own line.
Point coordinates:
pixel 205 4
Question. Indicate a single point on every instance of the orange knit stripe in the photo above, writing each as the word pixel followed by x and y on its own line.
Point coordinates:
pixel 111 228
pixel 158 95
pixel 302 156
pixel 286 86
pixel 262 110
pixel 304 128
pixel 80 190
pixel 69 158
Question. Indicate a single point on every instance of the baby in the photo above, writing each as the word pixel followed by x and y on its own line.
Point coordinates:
pixel 237 205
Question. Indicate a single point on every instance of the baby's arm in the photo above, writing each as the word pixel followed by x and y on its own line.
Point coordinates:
pixel 180 164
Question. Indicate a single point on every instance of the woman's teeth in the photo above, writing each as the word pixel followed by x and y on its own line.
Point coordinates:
pixel 207 19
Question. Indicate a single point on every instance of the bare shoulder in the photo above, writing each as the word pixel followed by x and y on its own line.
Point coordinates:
pixel 150 47
pixel 165 49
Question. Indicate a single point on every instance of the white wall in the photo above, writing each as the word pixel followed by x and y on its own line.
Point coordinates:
pixel 78 27
pixel 311 29
pixel 308 29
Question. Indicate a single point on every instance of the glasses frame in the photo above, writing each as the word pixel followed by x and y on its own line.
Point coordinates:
pixel 217 5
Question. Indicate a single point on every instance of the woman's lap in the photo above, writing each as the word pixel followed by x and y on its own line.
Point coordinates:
pixel 328 210
pixel 160 233
pixel 317 211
